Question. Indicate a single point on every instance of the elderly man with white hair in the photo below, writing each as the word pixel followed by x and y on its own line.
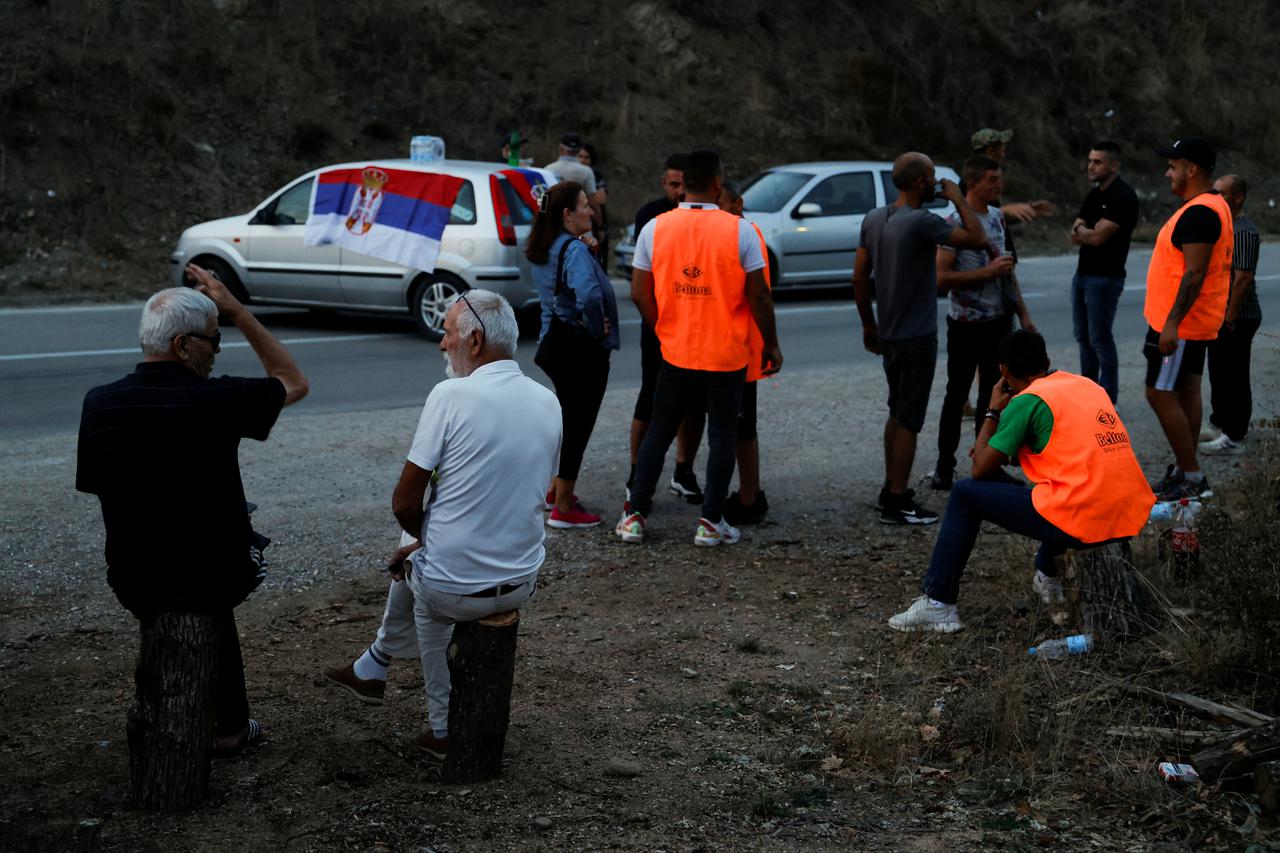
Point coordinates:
pixel 470 501
pixel 159 449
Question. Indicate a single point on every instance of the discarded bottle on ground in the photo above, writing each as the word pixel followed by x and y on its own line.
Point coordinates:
pixel 1186 539
pixel 1076 644
pixel 1168 510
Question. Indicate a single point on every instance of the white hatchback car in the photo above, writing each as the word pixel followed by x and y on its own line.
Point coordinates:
pixel 261 257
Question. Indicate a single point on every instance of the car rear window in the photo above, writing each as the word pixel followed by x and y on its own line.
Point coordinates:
pixel 767 192
pixel 520 212
pixel 464 207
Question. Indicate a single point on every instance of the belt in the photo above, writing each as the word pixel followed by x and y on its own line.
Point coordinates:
pixel 496 591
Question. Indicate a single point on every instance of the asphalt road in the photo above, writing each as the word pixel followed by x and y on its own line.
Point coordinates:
pixel 49 357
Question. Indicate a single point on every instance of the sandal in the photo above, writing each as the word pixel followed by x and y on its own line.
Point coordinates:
pixel 251 737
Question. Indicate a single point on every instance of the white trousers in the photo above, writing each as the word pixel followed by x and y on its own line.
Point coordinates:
pixel 418 622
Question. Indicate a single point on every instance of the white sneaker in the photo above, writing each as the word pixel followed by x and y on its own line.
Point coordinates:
pixel 1209 432
pixel 1049 589
pixel 925 614
pixel 722 533
pixel 630 527
pixel 1222 445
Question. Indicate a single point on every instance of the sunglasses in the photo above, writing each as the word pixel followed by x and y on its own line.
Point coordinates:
pixel 214 340
pixel 483 331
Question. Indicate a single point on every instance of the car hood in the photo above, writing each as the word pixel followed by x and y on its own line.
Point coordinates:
pixel 218 227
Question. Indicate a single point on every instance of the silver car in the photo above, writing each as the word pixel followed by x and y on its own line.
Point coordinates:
pixel 261 257
pixel 811 216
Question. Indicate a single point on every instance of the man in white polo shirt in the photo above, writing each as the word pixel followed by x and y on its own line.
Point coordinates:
pixel 470 500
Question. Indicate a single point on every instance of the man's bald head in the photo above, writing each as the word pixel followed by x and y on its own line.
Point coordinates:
pixel 910 168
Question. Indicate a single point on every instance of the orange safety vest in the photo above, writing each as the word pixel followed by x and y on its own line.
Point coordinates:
pixel 755 342
pixel 1168 266
pixel 703 318
pixel 1086 480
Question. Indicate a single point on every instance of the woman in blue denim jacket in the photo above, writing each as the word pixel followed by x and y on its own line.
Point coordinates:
pixel 579 332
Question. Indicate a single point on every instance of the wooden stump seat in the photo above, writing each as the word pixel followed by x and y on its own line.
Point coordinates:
pixel 482 665
pixel 1113 600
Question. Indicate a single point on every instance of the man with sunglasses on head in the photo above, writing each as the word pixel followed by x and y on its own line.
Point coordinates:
pixel 470 502
pixel 159 449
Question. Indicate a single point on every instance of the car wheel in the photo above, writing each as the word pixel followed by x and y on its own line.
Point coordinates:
pixel 225 274
pixel 430 302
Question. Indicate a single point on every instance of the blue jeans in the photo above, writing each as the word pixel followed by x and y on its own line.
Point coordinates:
pixel 1093 310
pixel 973 502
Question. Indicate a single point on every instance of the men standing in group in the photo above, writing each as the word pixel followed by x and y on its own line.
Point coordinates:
pixel 898 243
pixel 699 282
pixel 983 296
pixel 683 482
pixel 1187 286
pixel 159 449
pixel 1102 230
pixel 1231 397
pixel 470 502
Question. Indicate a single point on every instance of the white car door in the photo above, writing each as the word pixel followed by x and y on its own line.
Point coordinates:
pixel 281 268
pixel 820 229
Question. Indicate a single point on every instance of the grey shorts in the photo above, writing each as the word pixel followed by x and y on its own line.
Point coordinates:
pixel 909 366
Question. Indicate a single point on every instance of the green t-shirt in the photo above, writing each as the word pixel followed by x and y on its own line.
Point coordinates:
pixel 1027 420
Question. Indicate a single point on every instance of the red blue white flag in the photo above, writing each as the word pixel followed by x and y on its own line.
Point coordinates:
pixel 530 184
pixel 396 215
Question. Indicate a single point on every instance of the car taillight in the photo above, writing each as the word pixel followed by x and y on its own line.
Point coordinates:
pixel 501 213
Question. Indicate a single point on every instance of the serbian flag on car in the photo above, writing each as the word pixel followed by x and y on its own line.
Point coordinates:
pixel 529 183
pixel 395 215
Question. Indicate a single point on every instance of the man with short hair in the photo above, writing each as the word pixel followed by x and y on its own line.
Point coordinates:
pixel 1230 394
pixel 1102 229
pixel 993 143
pixel 899 242
pixel 698 282
pixel 1187 286
pixel 470 503
pixel 1087 485
pixel 567 167
pixel 983 297
pixel 159 448
pixel 684 482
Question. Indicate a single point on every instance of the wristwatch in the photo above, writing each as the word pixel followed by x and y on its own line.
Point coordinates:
pixel 994 414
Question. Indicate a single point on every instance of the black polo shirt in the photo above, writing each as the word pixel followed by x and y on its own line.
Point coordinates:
pixel 160 450
pixel 1118 203
pixel 653 209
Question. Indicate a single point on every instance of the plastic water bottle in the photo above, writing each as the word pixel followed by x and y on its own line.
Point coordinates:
pixel 1076 644
pixel 1186 538
pixel 426 149
pixel 1168 510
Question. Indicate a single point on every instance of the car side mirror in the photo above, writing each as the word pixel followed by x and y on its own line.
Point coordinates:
pixel 809 208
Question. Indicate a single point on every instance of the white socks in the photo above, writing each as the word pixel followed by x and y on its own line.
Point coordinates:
pixel 369 668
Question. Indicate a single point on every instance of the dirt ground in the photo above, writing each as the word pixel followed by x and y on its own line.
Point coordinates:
pixel 756 687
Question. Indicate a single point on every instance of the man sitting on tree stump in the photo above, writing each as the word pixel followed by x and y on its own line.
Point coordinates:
pixel 470 500
pixel 159 449
pixel 1087 486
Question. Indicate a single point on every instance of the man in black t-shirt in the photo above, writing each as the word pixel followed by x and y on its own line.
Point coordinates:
pixel 1102 230
pixel 683 482
pixel 159 449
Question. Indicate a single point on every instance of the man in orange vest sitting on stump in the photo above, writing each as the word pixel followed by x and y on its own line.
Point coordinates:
pixel 1187 286
pixel 1087 486
pixel 699 282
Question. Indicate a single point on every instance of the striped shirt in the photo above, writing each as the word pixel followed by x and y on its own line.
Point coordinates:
pixel 1245 257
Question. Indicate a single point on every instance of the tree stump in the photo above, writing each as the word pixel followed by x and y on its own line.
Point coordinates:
pixel 482 667
pixel 1114 602
pixel 170 726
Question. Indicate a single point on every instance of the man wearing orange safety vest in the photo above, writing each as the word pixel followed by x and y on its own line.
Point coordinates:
pixel 1087 486
pixel 698 281
pixel 1187 287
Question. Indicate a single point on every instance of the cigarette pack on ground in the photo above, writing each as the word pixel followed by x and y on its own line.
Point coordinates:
pixel 1178 772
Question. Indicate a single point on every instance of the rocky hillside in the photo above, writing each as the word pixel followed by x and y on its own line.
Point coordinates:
pixel 121 123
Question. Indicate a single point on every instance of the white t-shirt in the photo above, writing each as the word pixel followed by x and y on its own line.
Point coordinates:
pixel 493 440
pixel 572 169
pixel 749 253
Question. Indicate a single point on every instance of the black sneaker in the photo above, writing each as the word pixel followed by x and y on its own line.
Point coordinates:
pixel 903 509
pixel 941 480
pixel 884 495
pixel 685 484
pixel 1182 487
pixel 736 514
pixel 1172 478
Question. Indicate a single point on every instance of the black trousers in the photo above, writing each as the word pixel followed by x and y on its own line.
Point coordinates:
pixel 678 392
pixel 970 347
pixel 579 370
pixel 231 702
pixel 1230 397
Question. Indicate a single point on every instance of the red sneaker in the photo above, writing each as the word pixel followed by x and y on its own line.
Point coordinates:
pixel 576 517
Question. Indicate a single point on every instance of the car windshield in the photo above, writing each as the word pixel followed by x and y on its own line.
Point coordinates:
pixel 769 191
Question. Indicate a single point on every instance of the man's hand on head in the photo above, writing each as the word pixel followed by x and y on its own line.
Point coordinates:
pixel 208 284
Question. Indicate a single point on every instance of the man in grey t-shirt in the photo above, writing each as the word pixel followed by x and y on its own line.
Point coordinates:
pixel 567 167
pixel 899 243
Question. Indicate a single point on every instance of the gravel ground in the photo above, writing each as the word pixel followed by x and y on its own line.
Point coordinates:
pixel 747 684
